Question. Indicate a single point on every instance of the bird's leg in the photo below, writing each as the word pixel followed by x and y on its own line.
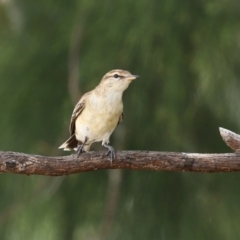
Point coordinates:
pixel 80 148
pixel 111 151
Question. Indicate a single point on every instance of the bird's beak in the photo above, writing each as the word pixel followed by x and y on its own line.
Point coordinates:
pixel 132 77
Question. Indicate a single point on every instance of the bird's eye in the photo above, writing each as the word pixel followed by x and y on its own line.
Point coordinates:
pixel 116 75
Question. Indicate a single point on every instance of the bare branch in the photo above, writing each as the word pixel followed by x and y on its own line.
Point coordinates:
pixel 13 162
pixel 231 139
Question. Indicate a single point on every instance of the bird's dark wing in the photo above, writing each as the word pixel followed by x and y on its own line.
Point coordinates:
pixel 120 118
pixel 76 112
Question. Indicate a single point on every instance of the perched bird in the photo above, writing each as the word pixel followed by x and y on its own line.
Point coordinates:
pixel 98 112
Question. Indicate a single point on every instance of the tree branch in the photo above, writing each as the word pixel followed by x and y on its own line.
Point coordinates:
pixel 231 139
pixel 13 162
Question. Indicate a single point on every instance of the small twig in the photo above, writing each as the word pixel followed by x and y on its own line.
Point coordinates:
pixel 231 139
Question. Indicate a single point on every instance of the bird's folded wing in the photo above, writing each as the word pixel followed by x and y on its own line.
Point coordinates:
pixel 76 112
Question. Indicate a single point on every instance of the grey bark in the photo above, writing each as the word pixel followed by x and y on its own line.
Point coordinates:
pixel 21 163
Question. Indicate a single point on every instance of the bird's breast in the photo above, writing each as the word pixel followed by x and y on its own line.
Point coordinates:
pixel 99 118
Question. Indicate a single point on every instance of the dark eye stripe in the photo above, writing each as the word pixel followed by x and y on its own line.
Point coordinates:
pixel 117 76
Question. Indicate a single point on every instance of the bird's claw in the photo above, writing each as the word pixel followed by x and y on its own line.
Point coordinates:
pixel 80 150
pixel 111 152
pixel 81 147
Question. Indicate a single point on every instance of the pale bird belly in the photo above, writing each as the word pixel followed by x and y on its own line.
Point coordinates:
pixel 96 127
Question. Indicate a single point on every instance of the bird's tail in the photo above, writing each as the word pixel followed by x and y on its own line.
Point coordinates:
pixel 70 144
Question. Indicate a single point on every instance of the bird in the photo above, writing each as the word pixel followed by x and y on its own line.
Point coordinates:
pixel 98 113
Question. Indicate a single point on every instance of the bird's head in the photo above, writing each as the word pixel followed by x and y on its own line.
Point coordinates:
pixel 117 80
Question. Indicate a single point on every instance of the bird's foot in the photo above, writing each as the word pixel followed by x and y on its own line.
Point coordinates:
pixel 111 152
pixel 80 148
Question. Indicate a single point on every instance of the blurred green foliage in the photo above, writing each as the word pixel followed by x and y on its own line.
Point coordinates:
pixel 187 56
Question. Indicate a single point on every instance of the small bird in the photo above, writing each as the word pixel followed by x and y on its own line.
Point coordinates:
pixel 98 112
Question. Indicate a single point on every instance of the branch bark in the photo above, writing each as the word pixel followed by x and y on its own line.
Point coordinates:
pixel 231 139
pixel 13 162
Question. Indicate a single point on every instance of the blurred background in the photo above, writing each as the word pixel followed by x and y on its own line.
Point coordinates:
pixel 187 54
